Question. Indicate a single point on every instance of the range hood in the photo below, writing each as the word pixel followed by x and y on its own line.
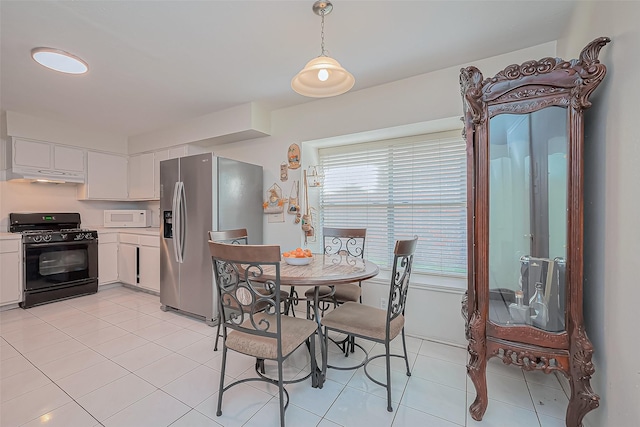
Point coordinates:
pixel 51 176
pixel 33 160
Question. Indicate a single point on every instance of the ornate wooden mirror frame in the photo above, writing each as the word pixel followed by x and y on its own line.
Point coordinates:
pixel 524 90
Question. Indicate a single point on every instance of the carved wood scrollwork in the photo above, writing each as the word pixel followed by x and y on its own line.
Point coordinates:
pixel 528 360
pixel 582 368
pixel 591 71
pixel 528 106
pixel 471 90
pixel 464 311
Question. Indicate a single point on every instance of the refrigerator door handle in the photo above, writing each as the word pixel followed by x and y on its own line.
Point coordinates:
pixel 183 224
pixel 176 220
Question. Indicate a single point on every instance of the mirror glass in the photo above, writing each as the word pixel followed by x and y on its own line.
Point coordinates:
pixel 528 218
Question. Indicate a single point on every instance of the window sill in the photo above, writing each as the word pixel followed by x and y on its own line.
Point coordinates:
pixel 456 285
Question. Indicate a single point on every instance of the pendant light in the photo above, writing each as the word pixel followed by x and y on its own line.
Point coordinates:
pixel 322 76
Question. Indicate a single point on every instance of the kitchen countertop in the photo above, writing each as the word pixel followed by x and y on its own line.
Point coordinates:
pixel 149 231
pixel 10 236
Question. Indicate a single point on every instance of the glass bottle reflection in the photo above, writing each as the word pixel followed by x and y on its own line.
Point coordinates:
pixel 540 311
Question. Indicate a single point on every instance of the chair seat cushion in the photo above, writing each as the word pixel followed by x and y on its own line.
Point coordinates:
pixel 344 293
pixel 363 320
pixel 294 332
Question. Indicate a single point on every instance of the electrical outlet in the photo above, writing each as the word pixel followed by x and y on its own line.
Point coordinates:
pixel 383 303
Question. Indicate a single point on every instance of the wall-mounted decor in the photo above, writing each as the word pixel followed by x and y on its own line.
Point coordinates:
pixel 294 201
pixel 294 156
pixel 284 172
pixel 274 203
pixel 315 176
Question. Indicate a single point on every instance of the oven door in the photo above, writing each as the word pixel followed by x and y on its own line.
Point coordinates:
pixel 48 265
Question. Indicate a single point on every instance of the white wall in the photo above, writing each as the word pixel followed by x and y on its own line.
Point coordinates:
pixel 612 244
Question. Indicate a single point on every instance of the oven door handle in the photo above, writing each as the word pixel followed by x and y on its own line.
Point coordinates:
pixel 46 245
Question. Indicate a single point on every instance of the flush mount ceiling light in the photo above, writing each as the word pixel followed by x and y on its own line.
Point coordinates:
pixel 322 76
pixel 59 60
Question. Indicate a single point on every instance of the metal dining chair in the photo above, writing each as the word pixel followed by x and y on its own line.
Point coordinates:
pixel 347 241
pixel 252 322
pixel 374 324
pixel 236 237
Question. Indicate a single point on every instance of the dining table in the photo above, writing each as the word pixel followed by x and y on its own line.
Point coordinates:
pixel 322 270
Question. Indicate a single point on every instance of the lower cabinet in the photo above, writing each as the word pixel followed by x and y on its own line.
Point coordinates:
pixel 107 258
pixel 10 271
pixel 139 261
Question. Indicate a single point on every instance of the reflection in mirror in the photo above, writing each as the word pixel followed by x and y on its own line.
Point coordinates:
pixel 528 218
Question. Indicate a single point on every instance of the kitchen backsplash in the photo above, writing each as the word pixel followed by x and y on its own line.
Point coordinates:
pixel 39 197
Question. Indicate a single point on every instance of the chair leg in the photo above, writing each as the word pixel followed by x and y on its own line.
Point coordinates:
pixel 406 359
pixel 224 368
pixel 215 347
pixel 388 359
pixel 281 391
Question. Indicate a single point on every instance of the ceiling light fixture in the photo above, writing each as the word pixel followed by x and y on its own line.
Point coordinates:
pixel 322 76
pixel 59 60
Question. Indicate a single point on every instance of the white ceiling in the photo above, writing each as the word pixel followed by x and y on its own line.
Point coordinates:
pixel 156 63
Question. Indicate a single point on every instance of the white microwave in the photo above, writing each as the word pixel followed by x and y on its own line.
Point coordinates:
pixel 127 218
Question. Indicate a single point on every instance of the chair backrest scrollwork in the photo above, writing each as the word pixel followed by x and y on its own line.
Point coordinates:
pixel 402 263
pixel 344 241
pixel 248 302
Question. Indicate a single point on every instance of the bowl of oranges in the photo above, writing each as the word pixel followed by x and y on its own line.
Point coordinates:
pixel 298 256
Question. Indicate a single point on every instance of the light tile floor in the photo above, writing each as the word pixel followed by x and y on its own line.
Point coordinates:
pixel 115 359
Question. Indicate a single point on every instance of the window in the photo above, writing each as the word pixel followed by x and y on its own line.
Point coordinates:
pixel 399 188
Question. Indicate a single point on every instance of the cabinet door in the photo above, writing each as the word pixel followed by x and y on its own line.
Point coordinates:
pixel 68 159
pixel 10 282
pixel 141 176
pixel 128 264
pixel 150 268
pixel 158 156
pixel 31 154
pixel 106 176
pixel 107 263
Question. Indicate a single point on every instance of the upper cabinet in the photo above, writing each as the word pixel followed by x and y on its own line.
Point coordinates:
pixel 106 177
pixel 142 176
pixel 45 161
pixel 144 170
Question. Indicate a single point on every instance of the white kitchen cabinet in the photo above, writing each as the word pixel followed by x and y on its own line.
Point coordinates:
pixel 68 159
pixel 142 176
pixel 10 271
pixel 107 258
pixel 158 156
pixel 149 268
pixel 106 177
pixel 31 154
pixel 45 160
pixel 139 261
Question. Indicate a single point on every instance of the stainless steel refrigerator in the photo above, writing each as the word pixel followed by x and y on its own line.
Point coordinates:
pixel 199 194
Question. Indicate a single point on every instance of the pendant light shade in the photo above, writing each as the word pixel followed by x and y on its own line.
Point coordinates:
pixel 322 76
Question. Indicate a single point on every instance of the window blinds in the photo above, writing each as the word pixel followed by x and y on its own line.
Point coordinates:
pixel 397 189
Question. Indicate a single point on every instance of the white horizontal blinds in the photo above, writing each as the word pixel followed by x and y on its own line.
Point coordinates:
pixel 397 189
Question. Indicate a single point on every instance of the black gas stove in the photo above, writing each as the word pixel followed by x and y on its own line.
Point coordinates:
pixel 60 258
